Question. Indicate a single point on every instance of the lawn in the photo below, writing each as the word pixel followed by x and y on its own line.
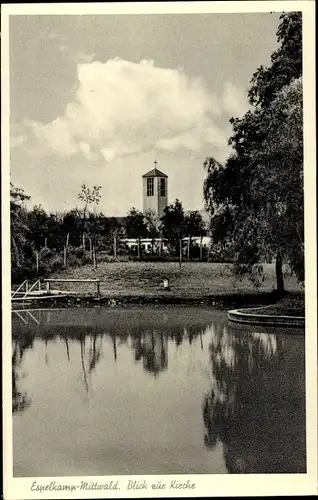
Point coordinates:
pixel 287 306
pixel 197 279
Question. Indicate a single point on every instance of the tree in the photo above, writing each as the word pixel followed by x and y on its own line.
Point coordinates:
pixel 194 226
pixel 38 226
pixel 256 197
pixel 136 226
pixel 55 231
pixel 286 62
pixel 71 225
pixel 153 227
pixel 117 230
pixel 278 178
pixel 19 230
pixel 173 226
pixel 88 197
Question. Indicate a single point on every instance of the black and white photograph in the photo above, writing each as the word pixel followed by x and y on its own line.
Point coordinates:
pixel 158 198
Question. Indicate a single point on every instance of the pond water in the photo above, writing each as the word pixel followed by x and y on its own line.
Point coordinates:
pixel 154 391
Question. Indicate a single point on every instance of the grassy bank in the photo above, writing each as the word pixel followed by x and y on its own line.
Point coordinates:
pixel 291 305
pixel 192 280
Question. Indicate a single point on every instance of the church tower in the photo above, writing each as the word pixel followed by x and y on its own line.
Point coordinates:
pixel 155 191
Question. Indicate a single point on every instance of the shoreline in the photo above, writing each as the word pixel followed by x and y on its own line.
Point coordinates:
pixel 235 301
pixel 220 299
pixel 243 316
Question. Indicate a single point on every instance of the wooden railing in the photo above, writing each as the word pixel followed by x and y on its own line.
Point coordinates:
pixel 27 289
pixel 18 290
pixel 48 282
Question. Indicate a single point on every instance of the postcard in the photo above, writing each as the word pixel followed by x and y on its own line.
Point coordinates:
pixel 159 258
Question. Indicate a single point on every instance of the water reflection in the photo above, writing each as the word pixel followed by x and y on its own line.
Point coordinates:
pixel 150 345
pixel 20 400
pixel 256 406
pixel 241 392
pixel 152 348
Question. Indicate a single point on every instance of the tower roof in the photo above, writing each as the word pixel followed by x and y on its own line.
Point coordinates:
pixel 155 173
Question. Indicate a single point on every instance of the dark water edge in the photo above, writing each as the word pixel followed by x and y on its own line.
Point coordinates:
pixel 168 298
pixel 155 390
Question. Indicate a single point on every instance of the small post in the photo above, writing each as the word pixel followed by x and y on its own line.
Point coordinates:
pixel 180 252
pixel 83 240
pixel 90 247
pixel 97 287
pixel 188 247
pixel 166 284
pixel 67 239
pixel 45 243
pixel 37 262
pixel 94 258
pixel 115 246
pixel 39 285
pixel 26 285
pixel 201 249
pixel 64 254
pixel 48 287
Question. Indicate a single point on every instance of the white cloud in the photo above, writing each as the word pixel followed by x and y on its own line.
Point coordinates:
pixel 17 140
pixel 121 108
pixel 108 154
pixel 53 137
pixel 84 57
pixel 234 101
pixel 194 139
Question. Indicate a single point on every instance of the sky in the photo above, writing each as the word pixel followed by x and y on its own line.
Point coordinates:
pixel 96 99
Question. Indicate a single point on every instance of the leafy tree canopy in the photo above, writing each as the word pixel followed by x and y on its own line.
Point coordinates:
pixel 173 223
pixel 256 197
pixel 286 62
pixel 194 224
pixel 136 226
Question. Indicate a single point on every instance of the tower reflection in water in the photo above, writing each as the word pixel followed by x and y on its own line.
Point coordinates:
pixel 256 406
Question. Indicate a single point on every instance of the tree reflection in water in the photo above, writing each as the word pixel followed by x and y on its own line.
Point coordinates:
pixel 256 406
pixel 149 344
pixel 20 400
pixel 152 347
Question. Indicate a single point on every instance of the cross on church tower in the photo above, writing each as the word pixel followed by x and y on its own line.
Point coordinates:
pixel 155 162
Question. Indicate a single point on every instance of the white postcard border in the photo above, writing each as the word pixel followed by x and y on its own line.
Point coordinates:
pixel 205 485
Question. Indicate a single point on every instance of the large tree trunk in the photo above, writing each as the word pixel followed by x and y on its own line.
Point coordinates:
pixel 279 272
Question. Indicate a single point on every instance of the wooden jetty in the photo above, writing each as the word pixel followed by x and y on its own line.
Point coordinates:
pixel 35 292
